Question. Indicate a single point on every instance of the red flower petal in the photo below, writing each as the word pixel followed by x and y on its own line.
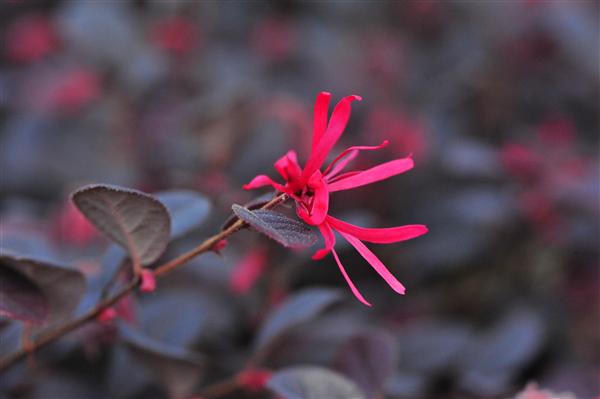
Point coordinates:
pixel 353 152
pixel 337 124
pixel 261 181
pixel 329 238
pixel 288 167
pixel 320 117
pixel 320 205
pixel 377 173
pixel 379 236
pixel 353 288
pixel 375 262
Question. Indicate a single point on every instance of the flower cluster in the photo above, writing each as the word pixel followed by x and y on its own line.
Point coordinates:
pixel 310 187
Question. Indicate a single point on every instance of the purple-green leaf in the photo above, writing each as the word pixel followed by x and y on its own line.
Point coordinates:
pixel 20 298
pixel 251 205
pixel 50 292
pixel 188 209
pixel 369 359
pixel 310 382
pixel 296 310
pixel 176 367
pixel 288 232
pixel 137 221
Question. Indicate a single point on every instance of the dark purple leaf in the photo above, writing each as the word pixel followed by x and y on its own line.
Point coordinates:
pixel 494 358
pixel 61 287
pixel 309 382
pixel 288 232
pixel 251 205
pixel 369 359
pixel 137 221
pixel 188 209
pixel 202 316
pixel 176 367
pixel 406 385
pixel 296 310
pixel 510 343
pixel 20 298
pixel 431 346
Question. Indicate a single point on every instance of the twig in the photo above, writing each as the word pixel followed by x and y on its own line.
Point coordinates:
pixel 221 388
pixel 165 268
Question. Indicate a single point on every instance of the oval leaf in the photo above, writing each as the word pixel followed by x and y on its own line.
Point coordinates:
pixel 298 309
pixel 308 382
pixel 288 232
pixel 60 286
pixel 188 209
pixel 137 221
pixel 251 205
pixel 20 298
pixel 176 367
pixel 369 359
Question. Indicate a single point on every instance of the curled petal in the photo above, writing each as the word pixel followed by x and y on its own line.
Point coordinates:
pixel 353 288
pixel 379 236
pixel 372 175
pixel 288 167
pixel 375 262
pixel 329 239
pixel 334 167
pixel 261 181
pixel 313 210
pixel 320 117
pixel 337 124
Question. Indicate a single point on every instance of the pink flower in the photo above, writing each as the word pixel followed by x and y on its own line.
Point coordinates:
pixel 30 38
pixel 148 281
pixel 177 35
pixel 248 270
pixel 254 380
pixel 71 226
pixel 310 187
pixel 107 315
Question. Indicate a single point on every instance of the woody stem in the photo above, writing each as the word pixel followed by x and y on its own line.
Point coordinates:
pixel 163 269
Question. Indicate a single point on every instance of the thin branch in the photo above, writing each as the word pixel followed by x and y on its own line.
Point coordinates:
pixel 221 388
pixel 165 268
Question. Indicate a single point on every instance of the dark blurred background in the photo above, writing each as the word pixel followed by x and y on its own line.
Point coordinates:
pixel 496 100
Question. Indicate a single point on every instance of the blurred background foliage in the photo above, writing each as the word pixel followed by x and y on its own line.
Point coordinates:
pixel 496 100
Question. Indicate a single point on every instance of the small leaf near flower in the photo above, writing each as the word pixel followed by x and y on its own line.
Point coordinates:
pixel 288 232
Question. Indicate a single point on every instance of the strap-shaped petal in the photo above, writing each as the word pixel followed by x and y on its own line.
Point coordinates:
pixel 353 288
pixel 261 181
pixel 372 175
pixel 320 204
pixel 386 235
pixel 375 263
pixel 337 124
pixel 329 239
pixel 340 162
pixel 320 117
